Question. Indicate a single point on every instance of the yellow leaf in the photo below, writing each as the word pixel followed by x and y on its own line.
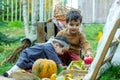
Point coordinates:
pixel 100 34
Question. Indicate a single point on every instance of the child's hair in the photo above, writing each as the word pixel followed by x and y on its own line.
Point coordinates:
pixel 62 40
pixel 73 15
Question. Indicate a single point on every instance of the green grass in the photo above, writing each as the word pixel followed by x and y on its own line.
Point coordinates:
pixel 6 50
pixel 5 67
pixel 111 74
pixel 91 31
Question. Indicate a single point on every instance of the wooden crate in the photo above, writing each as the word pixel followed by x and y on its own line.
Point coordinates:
pixel 78 74
pixel 45 31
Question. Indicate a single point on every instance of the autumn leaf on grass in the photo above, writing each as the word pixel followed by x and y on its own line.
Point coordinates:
pixel 99 36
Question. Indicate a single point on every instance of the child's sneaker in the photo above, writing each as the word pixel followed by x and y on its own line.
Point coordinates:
pixel 5 74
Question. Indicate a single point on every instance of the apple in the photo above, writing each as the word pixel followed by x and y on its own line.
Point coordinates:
pixel 88 60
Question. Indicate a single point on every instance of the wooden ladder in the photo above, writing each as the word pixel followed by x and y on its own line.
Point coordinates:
pixel 109 43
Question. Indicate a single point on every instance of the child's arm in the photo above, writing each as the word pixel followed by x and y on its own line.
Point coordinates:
pixel 86 46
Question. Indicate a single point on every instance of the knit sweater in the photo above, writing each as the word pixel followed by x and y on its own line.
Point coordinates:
pixel 77 41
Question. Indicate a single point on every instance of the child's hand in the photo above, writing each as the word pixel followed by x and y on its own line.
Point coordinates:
pixel 61 66
pixel 89 54
pixel 64 67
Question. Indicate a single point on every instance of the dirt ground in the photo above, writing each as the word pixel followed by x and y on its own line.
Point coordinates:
pixel 5 78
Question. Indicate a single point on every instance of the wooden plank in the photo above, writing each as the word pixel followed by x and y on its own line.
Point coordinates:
pixel 41 32
pixel 114 43
pixel 105 49
pixel 50 30
pixel 111 53
pixel 114 46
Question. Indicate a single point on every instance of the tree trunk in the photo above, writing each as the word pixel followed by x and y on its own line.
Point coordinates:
pixel 35 10
pixel 25 17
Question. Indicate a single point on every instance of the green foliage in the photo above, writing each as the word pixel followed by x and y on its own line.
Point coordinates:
pixel 1 49
pixel 91 32
pixel 1 5
pixel 8 7
pixel 5 50
pixel 16 24
pixel 4 39
pixel 111 74
pixel 1 11
pixel 3 24
pixel 5 67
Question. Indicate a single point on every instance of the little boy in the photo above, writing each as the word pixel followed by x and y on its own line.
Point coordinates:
pixel 49 50
pixel 75 38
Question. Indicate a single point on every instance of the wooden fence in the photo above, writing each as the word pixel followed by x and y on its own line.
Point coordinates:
pixel 15 9
pixel 93 11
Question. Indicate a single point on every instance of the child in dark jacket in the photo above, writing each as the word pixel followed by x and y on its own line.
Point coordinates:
pixel 49 50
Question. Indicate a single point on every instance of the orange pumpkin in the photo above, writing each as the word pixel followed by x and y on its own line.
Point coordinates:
pixel 44 68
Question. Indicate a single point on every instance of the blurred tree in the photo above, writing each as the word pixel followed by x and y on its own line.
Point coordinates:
pixel 2 5
pixel 25 17
pixel 30 31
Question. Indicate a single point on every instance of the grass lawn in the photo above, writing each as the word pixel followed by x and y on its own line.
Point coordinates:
pixel 91 31
pixel 6 50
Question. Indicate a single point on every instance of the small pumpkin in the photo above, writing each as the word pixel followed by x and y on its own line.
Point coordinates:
pixel 44 68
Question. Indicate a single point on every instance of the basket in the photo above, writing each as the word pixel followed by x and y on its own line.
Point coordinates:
pixel 61 11
pixel 78 73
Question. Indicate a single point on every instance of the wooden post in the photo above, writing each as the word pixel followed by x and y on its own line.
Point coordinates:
pixel 41 35
pixel 50 30
pixel 45 31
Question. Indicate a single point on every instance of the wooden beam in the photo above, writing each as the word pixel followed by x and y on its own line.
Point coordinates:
pixel 50 30
pixel 41 35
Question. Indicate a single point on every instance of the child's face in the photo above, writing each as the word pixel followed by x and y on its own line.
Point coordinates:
pixel 60 50
pixel 73 26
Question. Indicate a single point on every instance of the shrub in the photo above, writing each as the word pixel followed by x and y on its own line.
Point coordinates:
pixel 16 24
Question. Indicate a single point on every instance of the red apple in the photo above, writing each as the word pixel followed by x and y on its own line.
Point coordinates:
pixel 88 60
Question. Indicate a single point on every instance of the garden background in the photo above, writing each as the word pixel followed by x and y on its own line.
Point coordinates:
pixel 18 18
